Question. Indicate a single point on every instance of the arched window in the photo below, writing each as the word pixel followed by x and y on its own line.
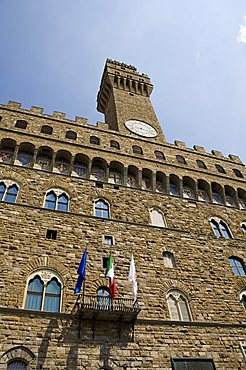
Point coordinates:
pixel 180 159
pixel 56 199
pixel 201 164
pixel 7 148
pixel 24 158
pixel 102 208
pixel 168 259
pixel 115 176
pixel 103 298
pixel 8 191
pixel 220 168
pixel 21 124
pixel 46 130
pixel 237 266
pixel 220 229
pixel 114 144
pixel 243 298
pixel 94 140
pixel 137 149
pixel 178 306
pixel 44 292
pixel 71 135
pixel 17 365
pixel 157 218
pixel 159 155
pixel 237 172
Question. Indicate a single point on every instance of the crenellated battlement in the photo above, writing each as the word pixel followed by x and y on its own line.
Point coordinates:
pixel 81 121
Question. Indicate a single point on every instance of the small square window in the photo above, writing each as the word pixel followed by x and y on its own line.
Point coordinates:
pixel 105 262
pixel 108 240
pixel 99 185
pixel 51 234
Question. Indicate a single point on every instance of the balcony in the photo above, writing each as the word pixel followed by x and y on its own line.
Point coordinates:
pixel 103 308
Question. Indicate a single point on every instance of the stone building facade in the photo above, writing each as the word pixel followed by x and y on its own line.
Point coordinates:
pixel 118 186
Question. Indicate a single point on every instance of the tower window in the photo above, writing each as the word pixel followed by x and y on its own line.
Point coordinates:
pixel 201 164
pixel 237 173
pixel 220 168
pixel 21 124
pixel 137 149
pixel 71 135
pixel 51 234
pixel 237 266
pixel 46 130
pixel 159 155
pixel 114 144
pixel 94 140
pixel 180 159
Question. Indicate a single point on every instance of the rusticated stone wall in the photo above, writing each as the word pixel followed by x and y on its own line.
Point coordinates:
pixel 202 272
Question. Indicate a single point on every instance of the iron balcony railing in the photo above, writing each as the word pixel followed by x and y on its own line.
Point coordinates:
pixel 103 303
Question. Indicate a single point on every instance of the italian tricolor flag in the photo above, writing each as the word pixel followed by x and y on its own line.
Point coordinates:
pixel 110 275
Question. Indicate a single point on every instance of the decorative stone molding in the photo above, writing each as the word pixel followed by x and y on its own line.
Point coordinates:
pixel 19 352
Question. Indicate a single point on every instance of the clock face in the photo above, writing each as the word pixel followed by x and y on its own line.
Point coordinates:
pixel 141 128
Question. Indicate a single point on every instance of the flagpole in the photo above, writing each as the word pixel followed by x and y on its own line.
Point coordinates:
pixel 83 295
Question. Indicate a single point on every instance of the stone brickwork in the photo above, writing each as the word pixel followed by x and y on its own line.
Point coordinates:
pixel 69 339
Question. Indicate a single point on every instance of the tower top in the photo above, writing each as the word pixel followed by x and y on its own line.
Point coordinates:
pixel 124 77
pixel 124 98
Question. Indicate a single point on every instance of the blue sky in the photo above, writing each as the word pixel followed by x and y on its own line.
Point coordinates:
pixel 53 53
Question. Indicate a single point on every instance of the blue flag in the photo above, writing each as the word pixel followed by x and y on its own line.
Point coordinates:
pixel 81 272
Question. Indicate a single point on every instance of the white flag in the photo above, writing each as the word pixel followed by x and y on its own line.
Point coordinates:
pixel 133 279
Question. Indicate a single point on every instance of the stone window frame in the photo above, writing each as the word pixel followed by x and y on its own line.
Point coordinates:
pixel 136 149
pixel 17 353
pixel 219 168
pixel 46 275
pixel 57 192
pixel 159 155
pixel 94 140
pixel 46 129
pixel 237 173
pixel 114 144
pixel 180 159
pixel 218 223
pixel 109 236
pixel 21 123
pixel 95 208
pixel 177 294
pixel 8 183
pixel 72 135
pixel 201 164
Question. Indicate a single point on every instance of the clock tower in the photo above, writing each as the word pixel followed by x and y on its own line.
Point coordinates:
pixel 124 98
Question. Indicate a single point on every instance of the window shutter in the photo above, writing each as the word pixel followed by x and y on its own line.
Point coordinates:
pixel 157 218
